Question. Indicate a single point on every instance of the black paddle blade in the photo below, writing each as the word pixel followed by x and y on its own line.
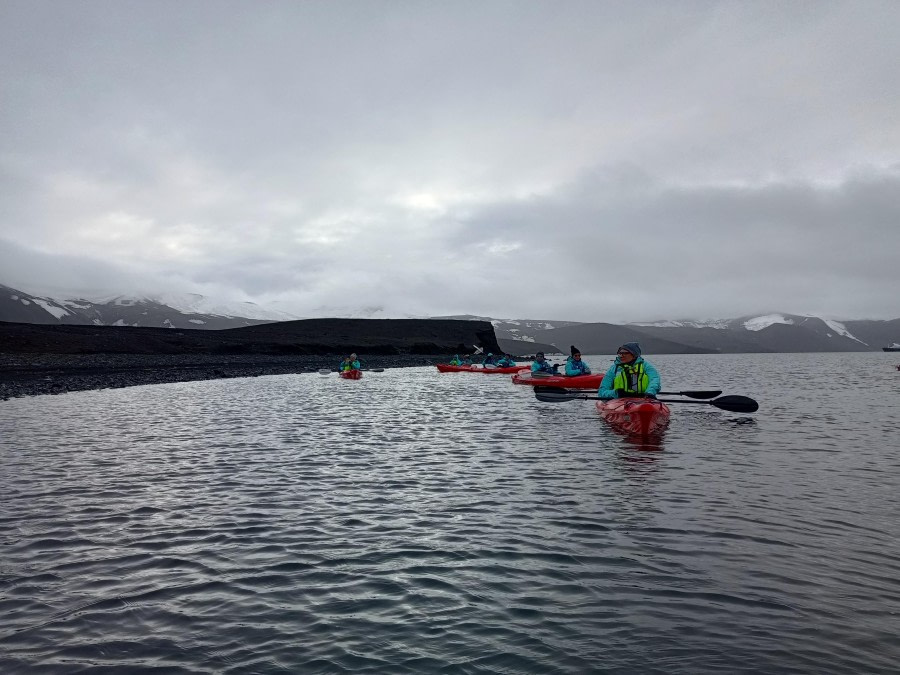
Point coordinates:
pixel 738 404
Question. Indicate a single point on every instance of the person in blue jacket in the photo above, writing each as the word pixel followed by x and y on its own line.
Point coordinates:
pixel 488 360
pixel 350 363
pixel 540 365
pixel 574 364
pixel 506 361
pixel 630 375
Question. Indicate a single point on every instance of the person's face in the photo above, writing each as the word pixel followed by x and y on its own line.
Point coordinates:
pixel 625 356
pixel 576 356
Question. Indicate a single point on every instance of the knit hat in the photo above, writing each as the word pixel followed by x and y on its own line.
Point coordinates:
pixel 574 350
pixel 632 347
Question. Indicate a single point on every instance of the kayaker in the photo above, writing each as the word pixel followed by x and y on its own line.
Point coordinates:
pixel 467 361
pixel 505 361
pixel 488 360
pixel 455 361
pixel 350 363
pixel 574 364
pixel 630 375
pixel 541 365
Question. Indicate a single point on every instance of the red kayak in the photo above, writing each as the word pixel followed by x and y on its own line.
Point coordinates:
pixel 635 416
pixel 447 368
pixel 505 370
pixel 351 374
pixel 574 382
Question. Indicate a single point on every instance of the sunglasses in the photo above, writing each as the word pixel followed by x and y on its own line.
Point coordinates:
pixel 624 354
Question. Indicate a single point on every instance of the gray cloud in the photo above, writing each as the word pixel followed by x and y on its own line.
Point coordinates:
pixel 583 161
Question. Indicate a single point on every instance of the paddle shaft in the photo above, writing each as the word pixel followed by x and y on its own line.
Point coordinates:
pixel 742 404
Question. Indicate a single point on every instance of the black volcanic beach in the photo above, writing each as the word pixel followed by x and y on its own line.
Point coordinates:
pixel 52 359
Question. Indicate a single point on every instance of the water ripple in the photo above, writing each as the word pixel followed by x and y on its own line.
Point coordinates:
pixel 414 522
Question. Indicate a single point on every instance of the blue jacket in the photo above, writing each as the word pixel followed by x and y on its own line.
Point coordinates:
pixel 579 367
pixel 607 388
pixel 545 367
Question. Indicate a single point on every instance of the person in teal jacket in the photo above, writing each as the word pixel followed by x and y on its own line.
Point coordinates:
pixel 350 363
pixel 574 364
pixel 630 375
pixel 505 361
pixel 540 365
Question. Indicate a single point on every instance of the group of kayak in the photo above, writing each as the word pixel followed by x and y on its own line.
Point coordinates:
pixel 626 391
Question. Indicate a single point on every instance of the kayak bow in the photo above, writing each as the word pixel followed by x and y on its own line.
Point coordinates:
pixel 635 416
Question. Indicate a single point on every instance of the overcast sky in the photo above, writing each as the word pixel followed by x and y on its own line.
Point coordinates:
pixel 592 161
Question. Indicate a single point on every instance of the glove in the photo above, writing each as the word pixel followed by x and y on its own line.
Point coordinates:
pixel 621 393
pixel 650 395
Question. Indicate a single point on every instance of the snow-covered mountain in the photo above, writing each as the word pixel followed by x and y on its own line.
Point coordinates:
pixel 772 332
pixel 166 311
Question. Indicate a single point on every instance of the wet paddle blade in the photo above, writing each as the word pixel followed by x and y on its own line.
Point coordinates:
pixel 738 404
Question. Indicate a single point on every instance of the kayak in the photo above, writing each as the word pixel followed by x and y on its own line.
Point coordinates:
pixel 505 370
pixel 635 416
pixel 574 382
pixel 351 374
pixel 447 368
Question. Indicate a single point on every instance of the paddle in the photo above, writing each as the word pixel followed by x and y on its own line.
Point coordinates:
pixel 739 404
pixel 711 393
pixel 380 370
pixel 693 394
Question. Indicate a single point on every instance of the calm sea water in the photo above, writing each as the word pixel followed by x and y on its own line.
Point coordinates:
pixel 413 522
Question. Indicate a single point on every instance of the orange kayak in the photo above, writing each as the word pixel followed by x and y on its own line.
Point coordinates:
pixel 351 374
pixel 574 382
pixel 447 368
pixel 506 370
pixel 635 416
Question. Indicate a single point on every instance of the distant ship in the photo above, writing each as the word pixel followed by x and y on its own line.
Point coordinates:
pixel 893 348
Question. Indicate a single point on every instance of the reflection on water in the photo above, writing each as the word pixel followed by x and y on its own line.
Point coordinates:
pixel 417 522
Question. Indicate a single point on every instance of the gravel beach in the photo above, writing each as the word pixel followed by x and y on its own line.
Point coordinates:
pixel 41 374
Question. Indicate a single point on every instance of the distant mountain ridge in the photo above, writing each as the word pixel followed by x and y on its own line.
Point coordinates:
pixel 167 311
pixel 773 332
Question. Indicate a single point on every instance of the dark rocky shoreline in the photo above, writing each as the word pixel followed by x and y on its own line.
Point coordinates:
pixel 42 374
pixel 40 359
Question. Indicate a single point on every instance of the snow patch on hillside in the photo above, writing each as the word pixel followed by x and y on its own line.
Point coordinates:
pixel 760 322
pixel 721 324
pixel 841 329
pixel 58 312
pixel 194 303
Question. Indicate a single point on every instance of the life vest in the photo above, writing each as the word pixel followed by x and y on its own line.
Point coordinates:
pixel 631 378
